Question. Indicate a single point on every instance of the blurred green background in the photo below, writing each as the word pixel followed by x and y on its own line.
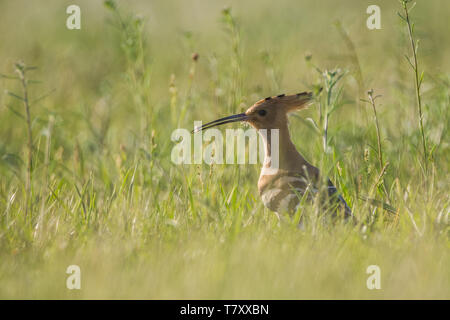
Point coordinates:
pixel 107 197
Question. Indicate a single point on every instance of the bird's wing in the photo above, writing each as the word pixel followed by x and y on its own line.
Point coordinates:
pixel 334 196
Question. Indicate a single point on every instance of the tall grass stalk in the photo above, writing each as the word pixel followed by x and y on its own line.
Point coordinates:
pixel 188 100
pixel 232 29
pixel 328 94
pixel 371 100
pixel 414 65
pixel 381 163
pixel 333 93
pixel 133 45
pixel 21 71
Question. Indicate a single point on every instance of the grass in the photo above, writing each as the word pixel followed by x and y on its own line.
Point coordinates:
pixel 104 195
pixel 414 65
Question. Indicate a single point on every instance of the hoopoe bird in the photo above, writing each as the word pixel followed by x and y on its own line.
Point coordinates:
pixel 282 189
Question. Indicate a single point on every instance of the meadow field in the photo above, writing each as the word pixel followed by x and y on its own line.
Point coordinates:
pixel 86 176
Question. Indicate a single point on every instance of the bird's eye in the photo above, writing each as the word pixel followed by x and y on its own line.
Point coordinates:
pixel 262 112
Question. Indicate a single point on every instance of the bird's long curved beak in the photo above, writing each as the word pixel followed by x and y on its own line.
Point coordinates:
pixel 218 122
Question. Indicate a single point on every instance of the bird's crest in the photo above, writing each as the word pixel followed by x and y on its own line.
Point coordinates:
pixel 290 102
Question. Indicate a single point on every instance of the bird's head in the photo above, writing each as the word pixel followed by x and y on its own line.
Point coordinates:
pixel 269 113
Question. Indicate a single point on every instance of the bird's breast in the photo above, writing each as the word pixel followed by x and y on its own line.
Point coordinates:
pixel 282 192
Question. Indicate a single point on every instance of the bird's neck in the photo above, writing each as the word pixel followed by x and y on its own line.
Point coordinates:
pixel 279 146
